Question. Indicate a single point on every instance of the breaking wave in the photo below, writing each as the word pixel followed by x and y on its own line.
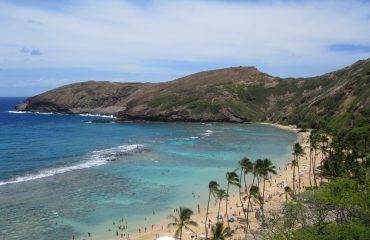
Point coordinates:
pixel 51 113
pixel 207 133
pixel 95 158
pixel 42 113
pixel 96 115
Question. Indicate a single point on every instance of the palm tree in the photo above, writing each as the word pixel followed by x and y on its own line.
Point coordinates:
pixel 287 191
pixel 219 232
pixel 220 195
pixel 294 165
pixel 266 169
pixel 232 179
pixel 246 166
pixel 311 140
pixel 254 192
pixel 212 187
pixel 255 170
pixel 183 220
pixel 298 152
pixel 314 144
pixel 323 149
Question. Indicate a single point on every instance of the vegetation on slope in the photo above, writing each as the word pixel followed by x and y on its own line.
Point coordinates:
pixel 241 94
pixel 334 101
pixel 338 206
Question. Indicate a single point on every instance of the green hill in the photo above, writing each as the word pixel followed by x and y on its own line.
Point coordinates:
pixel 240 94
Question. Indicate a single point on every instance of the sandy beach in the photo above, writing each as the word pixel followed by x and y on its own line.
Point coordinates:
pixel 274 195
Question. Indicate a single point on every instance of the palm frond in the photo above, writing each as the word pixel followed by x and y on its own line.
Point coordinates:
pixel 192 223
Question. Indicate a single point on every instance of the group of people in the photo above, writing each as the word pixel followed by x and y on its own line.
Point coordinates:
pixel 121 226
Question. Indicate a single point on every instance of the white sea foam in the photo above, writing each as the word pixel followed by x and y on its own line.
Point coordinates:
pixel 95 158
pixel 50 113
pixel 45 113
pixel 42 113
pixel 207 133
pixel 96 115
pixel 16 112
pixel 183 139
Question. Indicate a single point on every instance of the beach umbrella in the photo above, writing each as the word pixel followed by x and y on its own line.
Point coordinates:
pixel 166 238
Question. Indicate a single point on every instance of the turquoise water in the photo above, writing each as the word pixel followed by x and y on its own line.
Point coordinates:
pixel 62 176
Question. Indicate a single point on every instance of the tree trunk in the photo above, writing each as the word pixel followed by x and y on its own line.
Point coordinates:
pixel 309 172
pixel 240 197
pixel 219 206
pixel 227 198
pixel 299 180
pixel 245 184
pixel 263 202
pixel 322 158
pixel 294 180
pixel 205 224
pixel 245 216
pixel 314 169
pixel 249 203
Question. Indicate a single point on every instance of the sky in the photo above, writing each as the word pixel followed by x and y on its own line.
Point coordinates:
pixel 49 43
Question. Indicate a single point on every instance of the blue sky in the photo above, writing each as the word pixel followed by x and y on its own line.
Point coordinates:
pixel 46 44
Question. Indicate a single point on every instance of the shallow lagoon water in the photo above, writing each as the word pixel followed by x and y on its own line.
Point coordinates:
pixel 61 176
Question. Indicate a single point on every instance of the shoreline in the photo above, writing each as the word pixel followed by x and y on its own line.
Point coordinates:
pixel 292 128
pixel 276 199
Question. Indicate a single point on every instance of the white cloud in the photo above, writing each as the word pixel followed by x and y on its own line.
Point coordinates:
pixel 120 36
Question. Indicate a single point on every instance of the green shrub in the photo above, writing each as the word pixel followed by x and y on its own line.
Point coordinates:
pixel 199 106
pixel 216 107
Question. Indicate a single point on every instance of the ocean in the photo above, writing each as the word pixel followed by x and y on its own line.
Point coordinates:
pixel 64 176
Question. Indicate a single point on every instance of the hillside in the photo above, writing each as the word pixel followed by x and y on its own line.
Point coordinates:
pixel 239 94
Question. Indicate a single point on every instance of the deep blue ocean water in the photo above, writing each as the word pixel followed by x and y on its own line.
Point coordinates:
pixel 62 176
